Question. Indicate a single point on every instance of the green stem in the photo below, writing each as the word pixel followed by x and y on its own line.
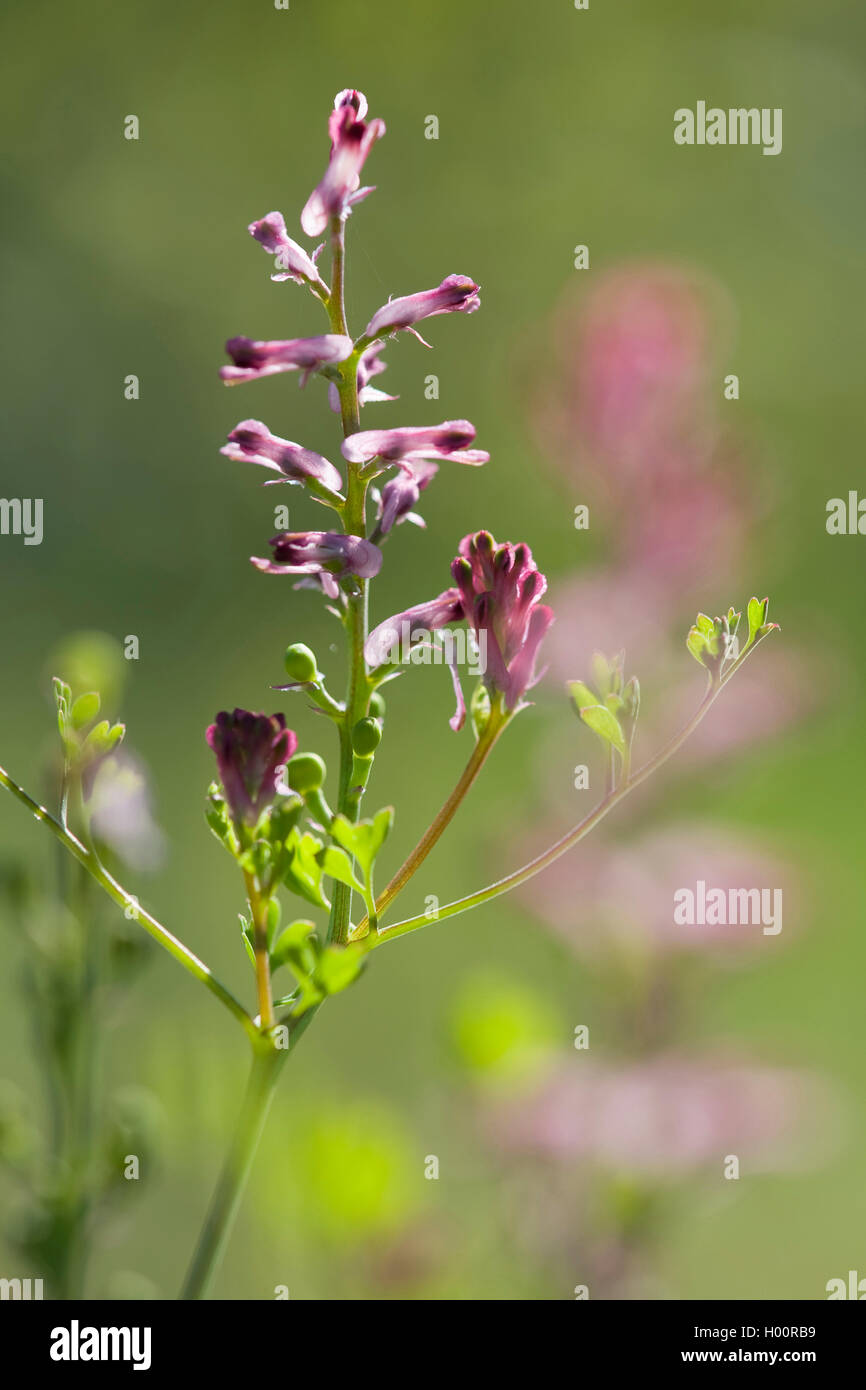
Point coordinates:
pixel 266 1067
pixel 259 910
pixel 480 753
pixel 90 861
pixel 226 1199
pixel 561 846
pixel 355 523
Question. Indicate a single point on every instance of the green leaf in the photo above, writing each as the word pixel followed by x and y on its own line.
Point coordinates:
pixel 62 699
pixel 479 709
pixel 103 739
pixel 757 615
pixel 337 967
pixel 581 695
pixel 303 872
pixel 294 947
pixel 604 724
pixel 273 923
pixel 217 816
pixel 336 864
pixel 363 839
pixel 85 709
pixel 247 935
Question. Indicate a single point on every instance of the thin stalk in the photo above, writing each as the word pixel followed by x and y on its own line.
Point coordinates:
pixel 259 910
pixel 128 902
pixel 442 820
pixel 561 846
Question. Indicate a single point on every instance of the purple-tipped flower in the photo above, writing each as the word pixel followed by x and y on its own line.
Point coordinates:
pixel 370 364
pixel 251 752
pixel 270 232
pixel 386 642
pixel 254 359
pixel 500 588
pixel 352 138
pixel 400 494
pixel 497 593
pixel 252 442
pixel 456 294
pixel 327 555
pixel 406 446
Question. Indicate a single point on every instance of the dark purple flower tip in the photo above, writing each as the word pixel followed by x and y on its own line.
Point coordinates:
pixel 456 294
pixel 253 359
pixel 325 554
pixel 408 445
pixel 252 442
pixel 352 138
pixel 251 752
pixel 294 262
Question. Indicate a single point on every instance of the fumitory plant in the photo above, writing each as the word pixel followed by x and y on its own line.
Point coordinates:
pixel 296 834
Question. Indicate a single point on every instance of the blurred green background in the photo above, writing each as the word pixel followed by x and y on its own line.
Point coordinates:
pixel 133 257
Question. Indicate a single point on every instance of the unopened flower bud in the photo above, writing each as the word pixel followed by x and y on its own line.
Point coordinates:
pixel 306 773
pixel 377 705
pixel 300 663
pixel 366 737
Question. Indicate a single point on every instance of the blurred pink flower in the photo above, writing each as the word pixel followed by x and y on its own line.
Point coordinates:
pixel 634 418
pixel 638 354
pixel 670 1115
pixel 622 897
pixel 121 809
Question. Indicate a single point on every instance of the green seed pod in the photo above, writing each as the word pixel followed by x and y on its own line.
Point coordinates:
pixel 377 705
pixel 300 663
pixel 306 773
pixel 366 737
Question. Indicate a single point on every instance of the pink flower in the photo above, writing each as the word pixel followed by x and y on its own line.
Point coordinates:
pixel 384 641
pixel 253 359
pixel 456 294
pixel 621 898
pixel 352 138
pixel 270 232
pixel 324 554
pixel 669 1115
pixel 411 443
pixel 500 588
pixel 401 494
pixel 251 752
pixel 252 442
pixel 497 593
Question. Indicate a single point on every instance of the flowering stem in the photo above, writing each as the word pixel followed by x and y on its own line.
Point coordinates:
pixel 91 862
pixel 354 515
pixel 571 838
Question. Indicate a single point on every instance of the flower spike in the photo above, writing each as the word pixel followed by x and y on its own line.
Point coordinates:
pixel 352 138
